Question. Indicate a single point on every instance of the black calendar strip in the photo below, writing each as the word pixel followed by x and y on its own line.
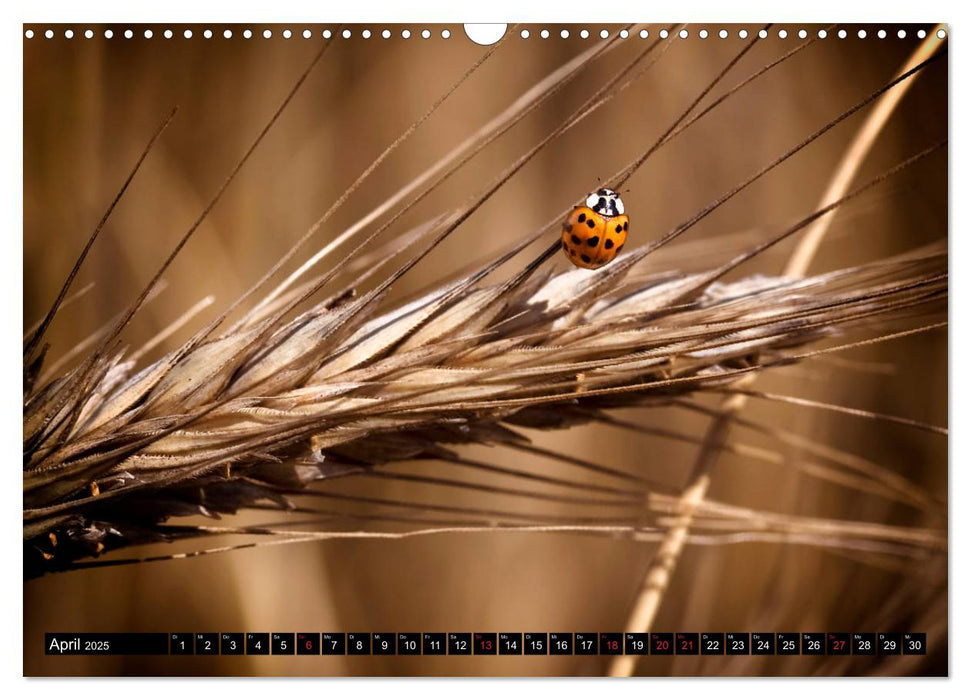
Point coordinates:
pixel 487 643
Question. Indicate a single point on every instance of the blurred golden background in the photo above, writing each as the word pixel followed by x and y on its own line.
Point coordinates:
pixel 90 105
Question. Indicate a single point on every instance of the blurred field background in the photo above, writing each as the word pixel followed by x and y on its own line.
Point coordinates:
pixel 89 108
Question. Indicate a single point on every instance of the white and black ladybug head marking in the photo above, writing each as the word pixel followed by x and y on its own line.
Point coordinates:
pixel 605 202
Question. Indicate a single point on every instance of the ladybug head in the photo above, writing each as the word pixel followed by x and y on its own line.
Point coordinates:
pixel 605 202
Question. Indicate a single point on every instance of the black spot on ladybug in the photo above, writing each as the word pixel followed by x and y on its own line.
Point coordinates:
pixel 593 241
pixel 591 223
pixel 619 228
pixel 585 258
pixel 608 244
pixel 573 253
pixel 601 204
pixel 582 217
pixel 575 238
pixel 625 225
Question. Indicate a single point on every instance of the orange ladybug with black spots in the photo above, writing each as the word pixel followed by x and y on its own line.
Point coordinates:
pixel 595 232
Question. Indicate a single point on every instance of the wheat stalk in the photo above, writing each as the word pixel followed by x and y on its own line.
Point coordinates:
pixel 664 561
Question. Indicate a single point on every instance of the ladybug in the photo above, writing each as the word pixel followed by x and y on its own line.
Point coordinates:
pixel 596 231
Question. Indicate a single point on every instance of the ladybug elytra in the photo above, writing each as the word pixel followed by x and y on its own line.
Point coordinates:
pixel 596 231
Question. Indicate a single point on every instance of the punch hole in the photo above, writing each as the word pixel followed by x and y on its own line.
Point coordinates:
pixel 921 34
pixel 703 34
pixel 366 34
pixel 247 34
pixel 841 33
pixel 129 33
pixel 941 34
pixel 267 33
pixel 405 34
pixel 425 34
pixel 882 34
pixel 821 33
pixel 545 34
pixel 524 34
pixel 49 34
pixel 584 34
pixel 149 34
pixel 901 34
pixel 663 33
pixel 287 34
pixel 564 34
pixel 227 34
pixel 624 33
pixel 803 33
pixel 327 34
pixel 763 34
pixel 604 33
pixel 742 33
pixel 207 34
pixel 446 34
pixel 485 34
pixel 29 34
pixel 386 34
pixel 307 34
pixel 168 33
pixel 861 33
pixel 683 34
pixel 109 33
pixel 88 34
pixel 68 34
pixel 723 34
pixel 643 34
pixel 783 34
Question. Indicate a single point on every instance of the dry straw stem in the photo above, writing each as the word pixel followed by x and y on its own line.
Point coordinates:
pixel 304 392
pixel 661 567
